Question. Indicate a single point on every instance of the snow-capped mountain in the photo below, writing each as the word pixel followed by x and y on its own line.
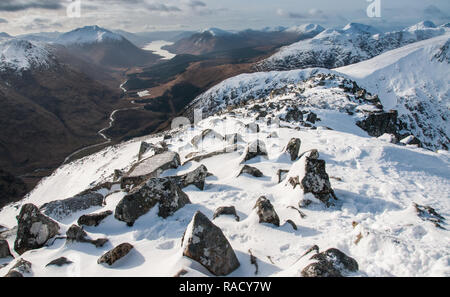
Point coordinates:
pixel 215 32
pixel 310 29
pixel 88 35
pixel 284 175
pixel 340 47
pixel 20 55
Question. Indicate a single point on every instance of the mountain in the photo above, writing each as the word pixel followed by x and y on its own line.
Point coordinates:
pixel 340 47
pixel 12 188
pixel 281 170
pixel 48 109
pixel 103 47
pixel 4 35
pixel 141 39
pixel 46 37
pixel 217 40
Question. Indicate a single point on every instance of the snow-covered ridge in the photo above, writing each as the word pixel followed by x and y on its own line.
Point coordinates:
pixel 19 55
pixel 340 47
pixel 216 32
pixel 88 35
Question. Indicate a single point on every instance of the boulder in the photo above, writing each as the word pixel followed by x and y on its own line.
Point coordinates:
pixel 411 140
pixel 311 154
pixel 234 138
pixel 61 209
pixel 281 173
pixel 266 212
pixel 94 219
pixel 293 148
pixel 77 234
pixel 226 210
pixel 20 268
pixel 332 263
pixel 251 171
pixel 310 175
pixel 34 229
pixel 59 262
pixel 162 191
pixel 205 243
pixel 379 123
pixel 115 254
pixel 253 150
pixel 196 178
pixel 4 249
pixel 194 157
pixel 312 118
pixel 150 168
pixel 159 148
pixel 208 133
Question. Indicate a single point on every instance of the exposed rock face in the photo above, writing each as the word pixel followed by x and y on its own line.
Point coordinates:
pixel 331 263
pixel 293 148
pixel 251 171
pixel 208 133
pixel 411 140
pixel 150 168
pixel 311 176
pixel 254 149
pixel 198 158
pixel 196 178
pixel 266 212
pixel 34 229
pixel 156 190
pixel 379 123
pixel 427 213
pixel 159 148
pixel 226 210
pixel 4 249
pixel 19 269
pixel 59 262
pixel 94 219
pixel 77 234
pixel 11 188
pixel 61 209
pixel 205 243
pixel 115 254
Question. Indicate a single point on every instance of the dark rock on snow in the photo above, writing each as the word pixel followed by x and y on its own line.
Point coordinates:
pixel 293 148
pixel 77 234
pixel 93 219
pixel 4 249
pixel 427 213
pixel 266 212
pixel 379 123
pixel 59 262
pixel 331 263
pixel 226 210
pixel 20 268
pixel 253 150
pixel 251 171
pixel 196 178
pixel 115 254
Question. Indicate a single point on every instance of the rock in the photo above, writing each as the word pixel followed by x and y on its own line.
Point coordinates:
pixel 332 263
pixel 254 149
pixel 59 262
pixel 266 212
pixel 234 138
pixel 251 171
pixel 22 267
pixel 61 209
pixel 77 234
pixel 281 173
pixel 198 158
pixel 226 210
pixel 181 273
pixel 150 168
pixel 196 178
pixel 117 174
pixel 156 190
pixel 311 154
pixel 411 140
pixel 208 133
pixel 159 148
pixel 4 249
pixel 94 219
pixel 311 176
pixel 427 213
pixel 291 222
pixel 294 115
pixel 205 243
pixel 14 273
pixel 379 123
pixel 312 118
pixel 34 229
pixel 293 148
pixel 115 254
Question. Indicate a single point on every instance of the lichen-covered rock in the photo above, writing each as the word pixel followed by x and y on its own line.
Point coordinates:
pixel 61 209
pixel 196 178
pixel 4 249
pixel 266 212
pixel 77 234
pixel 226 210
pixel 205 243
pixel 34 229
pixel 253 150
pixel 310 175
pixel 115 254
pixel 150 168
pixel 379 123
pixel 251 171
pixel 59 262
pixel 331 263
pixel 156 190
pixel 293 148
pixel 93 219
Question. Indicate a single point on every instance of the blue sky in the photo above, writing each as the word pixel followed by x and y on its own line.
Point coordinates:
pixel 23 16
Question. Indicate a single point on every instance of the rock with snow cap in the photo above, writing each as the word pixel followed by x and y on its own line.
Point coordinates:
pixel 115 254
pixel 266 212
pixel 226 210
pixel 253 150
pixel 205 243
pixel 196 178
pixel 293 148
pixel 93 219
pixel 253 171
pixel 331 263
pixel 34 229
pixel 208 133
pixel 159 148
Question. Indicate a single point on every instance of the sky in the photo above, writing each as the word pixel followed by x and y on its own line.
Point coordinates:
pixel 29 16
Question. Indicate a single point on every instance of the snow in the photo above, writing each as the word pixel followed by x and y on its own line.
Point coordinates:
pixel 20 55
pixel 216 32
pixel 144 93
pixel 305 29
pixel 88 35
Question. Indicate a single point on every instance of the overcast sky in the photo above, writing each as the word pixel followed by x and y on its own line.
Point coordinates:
pixel 25 16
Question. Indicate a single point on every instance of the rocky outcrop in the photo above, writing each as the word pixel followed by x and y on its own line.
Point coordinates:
pixel 115 254
pixel 4 249
pixel 198 158
pixel 162 191
pixel 196 178
pixel 150 168
pixel 266 212
pixel 158 148
pixel 226 210
pixel 411 140
pixel 61 209
pixel 34 229
pixel 251 171
pixel 77 234
pixel 253 150
pixel 293 148
pixel 427 213
pixel 331 263
pixel 20 268
pixel 94 219
pixel 59 262
pixel 205 243
pixel 379 123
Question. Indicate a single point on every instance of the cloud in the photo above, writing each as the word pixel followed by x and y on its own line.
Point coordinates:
pixel 160 7
pixel 18 5
pixel 195 4
pixel 3 21
pixel 42 24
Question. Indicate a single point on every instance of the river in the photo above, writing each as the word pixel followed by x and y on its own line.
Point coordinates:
pixel 156 48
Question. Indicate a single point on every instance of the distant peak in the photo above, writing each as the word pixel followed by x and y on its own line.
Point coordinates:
pixel 88 35
pixel 215 31
pixel 360 28
pixel 306 28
